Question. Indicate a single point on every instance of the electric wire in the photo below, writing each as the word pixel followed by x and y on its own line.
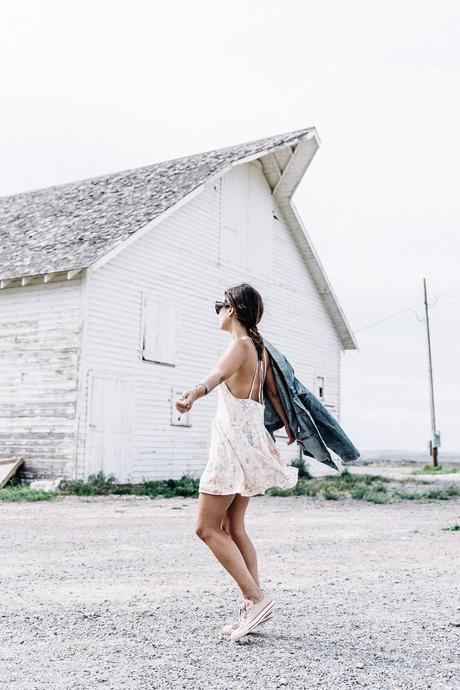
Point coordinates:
pixel 402 311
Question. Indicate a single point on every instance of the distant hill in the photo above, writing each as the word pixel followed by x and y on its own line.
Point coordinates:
pixel 407 456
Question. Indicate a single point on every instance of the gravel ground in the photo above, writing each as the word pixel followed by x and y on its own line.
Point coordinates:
pixel 119 592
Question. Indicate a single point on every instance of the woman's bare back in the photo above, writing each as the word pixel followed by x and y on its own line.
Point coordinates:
pixel 249 373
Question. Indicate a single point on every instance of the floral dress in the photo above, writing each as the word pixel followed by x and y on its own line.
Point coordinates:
pixel 243 457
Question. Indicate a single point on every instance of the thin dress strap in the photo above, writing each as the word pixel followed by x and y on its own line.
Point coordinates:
pixel 261 377
pixel 254 377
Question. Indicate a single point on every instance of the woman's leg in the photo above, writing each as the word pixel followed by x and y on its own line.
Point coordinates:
pixel 233 524
pixel 211 512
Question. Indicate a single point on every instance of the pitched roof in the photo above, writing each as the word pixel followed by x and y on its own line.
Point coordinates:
pixel 71 225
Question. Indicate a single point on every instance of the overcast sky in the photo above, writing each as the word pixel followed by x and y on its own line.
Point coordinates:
pixel 94 87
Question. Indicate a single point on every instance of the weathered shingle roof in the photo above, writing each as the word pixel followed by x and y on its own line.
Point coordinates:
pixel 71 225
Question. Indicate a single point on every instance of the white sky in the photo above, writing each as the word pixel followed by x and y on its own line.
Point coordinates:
pixel 94 87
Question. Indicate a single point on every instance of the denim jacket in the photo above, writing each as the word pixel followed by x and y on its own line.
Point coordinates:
pixel 314 427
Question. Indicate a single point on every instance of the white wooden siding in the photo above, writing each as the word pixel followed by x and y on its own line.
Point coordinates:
pixel 181 260
pixel 248 223
pixel 39 345
pixel 235 189
pixel 261 225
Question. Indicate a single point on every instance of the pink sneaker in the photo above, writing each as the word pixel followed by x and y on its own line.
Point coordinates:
pixel 230 627
pixel 251 615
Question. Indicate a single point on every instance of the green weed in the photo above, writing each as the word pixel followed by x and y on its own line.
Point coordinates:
pixel 303 467
pixel 96 484
pixel 433 494
pixel 22 492
pixel 361 487
pixel 438 469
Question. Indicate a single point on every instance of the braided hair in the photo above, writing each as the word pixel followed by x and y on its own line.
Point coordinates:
pixel 249 309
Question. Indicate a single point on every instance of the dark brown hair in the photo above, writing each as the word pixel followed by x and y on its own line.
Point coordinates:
pixel 249 308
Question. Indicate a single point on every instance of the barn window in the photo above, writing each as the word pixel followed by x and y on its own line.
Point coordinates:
pixel 159 328
pixel 247 221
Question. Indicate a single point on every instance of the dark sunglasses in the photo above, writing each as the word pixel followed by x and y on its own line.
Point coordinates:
pixel 218 306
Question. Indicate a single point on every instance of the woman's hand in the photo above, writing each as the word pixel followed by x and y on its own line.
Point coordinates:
pixel 185 401
pixel 290 435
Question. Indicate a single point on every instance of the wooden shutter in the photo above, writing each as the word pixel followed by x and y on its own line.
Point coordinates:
pixel 160 326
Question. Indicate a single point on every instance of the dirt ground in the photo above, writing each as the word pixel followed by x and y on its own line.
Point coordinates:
pixel 119 592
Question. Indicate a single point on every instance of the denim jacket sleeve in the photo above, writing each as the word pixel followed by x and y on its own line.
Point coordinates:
pixel 313 426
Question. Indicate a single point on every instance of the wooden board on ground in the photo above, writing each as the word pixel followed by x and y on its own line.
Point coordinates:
pixel 8 467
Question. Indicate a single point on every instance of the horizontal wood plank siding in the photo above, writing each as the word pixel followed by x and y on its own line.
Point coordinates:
pixel 39 356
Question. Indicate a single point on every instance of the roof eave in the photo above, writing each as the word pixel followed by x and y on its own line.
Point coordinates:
pixel 283 191
pixel 45 277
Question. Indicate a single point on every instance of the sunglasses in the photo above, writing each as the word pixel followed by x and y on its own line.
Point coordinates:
pixel 218 306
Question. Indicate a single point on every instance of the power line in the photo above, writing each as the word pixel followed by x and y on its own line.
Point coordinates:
pixel 391 316
pixel 386 318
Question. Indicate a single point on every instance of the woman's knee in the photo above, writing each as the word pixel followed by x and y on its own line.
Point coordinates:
pixel 237 531
pixel 204 530
pixel 226 525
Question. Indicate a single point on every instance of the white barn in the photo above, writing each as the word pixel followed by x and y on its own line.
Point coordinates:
pixel 107 290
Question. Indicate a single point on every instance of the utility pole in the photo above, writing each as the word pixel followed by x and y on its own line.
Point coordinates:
pixel 435 441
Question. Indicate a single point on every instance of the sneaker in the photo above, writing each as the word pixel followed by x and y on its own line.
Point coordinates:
pixel 230 627
pixel 251 615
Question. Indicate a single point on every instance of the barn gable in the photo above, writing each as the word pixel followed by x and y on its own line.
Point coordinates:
pixel 72 225
pixel 67 228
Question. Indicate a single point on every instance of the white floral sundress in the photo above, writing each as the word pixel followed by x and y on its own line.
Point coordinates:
pixel 243 457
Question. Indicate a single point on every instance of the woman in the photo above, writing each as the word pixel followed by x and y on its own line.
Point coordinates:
pixel 243 458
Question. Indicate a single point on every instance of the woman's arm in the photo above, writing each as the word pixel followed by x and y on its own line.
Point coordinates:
pixel 228 364
pixel 272 393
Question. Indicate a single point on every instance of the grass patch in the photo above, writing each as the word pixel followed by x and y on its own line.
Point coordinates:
pixel 303 467
pixel 452 528
pixel 373 494
pixel 360 487
pixel 22 492
pixel 304 488
pixel 185 486
pixel 277 491
pixel 346 485
pixel 331 495
pixel 432 494
pixel 96 484
pixel 439 469
pixel 363 487
pixel 99 484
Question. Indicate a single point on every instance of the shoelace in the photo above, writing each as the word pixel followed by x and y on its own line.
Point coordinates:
pixel 243 612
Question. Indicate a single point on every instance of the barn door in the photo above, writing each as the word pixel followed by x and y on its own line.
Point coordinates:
pixel 109 426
